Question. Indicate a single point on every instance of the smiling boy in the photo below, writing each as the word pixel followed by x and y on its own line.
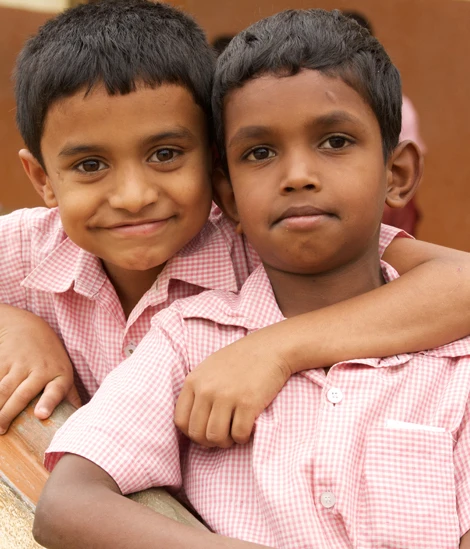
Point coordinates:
pixel 371 453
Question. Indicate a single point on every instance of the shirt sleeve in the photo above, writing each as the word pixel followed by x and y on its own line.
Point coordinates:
pixel 127 429
pixel 15 263
pixel 461 465
pixel 388 234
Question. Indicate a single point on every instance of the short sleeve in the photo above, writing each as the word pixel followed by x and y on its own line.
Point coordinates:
pixel 127 428
pixel 462 468
pixel 15 260
pixel 387 235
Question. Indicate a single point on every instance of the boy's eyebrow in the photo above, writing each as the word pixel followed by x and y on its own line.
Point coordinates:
pixel 72 150
pixel 248 132
pixel 324 121
pixel 179 132
pixel 337 117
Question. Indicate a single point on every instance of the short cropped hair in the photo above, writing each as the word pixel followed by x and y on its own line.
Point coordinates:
pixel 117 43
pixel 337 46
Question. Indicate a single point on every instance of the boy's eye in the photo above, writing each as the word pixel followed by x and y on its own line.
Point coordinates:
pixel 91 166
pixel 335 142
pixel 164 155
pixel 260 153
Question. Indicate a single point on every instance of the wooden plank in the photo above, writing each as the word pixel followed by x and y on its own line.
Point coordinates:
pixel 22 478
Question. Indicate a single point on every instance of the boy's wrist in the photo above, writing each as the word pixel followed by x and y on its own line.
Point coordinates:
pixel 290 343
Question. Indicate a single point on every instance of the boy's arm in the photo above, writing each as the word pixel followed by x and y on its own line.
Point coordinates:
pixel 32 359
pixel 81 506
pixel 426 307
pixel 465 541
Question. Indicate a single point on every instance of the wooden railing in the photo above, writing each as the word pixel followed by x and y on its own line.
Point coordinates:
pixel 22 477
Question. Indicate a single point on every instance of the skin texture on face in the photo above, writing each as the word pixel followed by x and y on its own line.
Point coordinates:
pixel 310 182
pixel 129 173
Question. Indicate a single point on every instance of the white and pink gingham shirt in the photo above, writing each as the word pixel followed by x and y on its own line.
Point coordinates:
pixel 374 454
pixel 43 271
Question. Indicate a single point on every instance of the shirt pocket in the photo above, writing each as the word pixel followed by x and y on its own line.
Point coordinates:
pixel 407 497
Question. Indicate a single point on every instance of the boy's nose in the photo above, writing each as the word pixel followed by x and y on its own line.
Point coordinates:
pixel 132 192
pixel 300 175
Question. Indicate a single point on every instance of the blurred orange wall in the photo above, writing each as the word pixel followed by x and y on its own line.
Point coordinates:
pixel 427 39
pixel 15 27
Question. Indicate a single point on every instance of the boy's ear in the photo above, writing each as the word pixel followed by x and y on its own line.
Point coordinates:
pixel 38 178
pixel 224 197
pixel 404 171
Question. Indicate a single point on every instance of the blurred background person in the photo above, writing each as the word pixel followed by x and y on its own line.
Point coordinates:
pixel 408 217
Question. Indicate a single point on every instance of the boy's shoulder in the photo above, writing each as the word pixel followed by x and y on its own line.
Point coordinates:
pixel 36 251
pixel 42 226
pixel 457 349
pixel 253 308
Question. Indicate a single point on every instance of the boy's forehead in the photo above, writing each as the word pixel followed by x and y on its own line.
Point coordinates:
pixel 98 115
pixel 264 99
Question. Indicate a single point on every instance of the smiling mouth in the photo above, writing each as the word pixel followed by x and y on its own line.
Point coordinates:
pixel 139 228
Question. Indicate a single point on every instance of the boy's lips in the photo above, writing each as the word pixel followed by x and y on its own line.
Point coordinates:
pixel 302 217
pixel 140 227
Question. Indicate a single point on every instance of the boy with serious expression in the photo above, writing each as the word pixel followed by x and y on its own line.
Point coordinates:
pixel 307 150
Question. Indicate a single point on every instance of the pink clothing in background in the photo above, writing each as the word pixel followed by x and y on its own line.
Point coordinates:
pixel 406 218
pixel 375 453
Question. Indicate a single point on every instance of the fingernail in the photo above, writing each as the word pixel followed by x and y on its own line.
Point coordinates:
pixel 41 411
pixel 2 431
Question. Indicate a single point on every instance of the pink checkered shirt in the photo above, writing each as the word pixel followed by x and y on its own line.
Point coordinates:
pixel 44 272
pixel 374 454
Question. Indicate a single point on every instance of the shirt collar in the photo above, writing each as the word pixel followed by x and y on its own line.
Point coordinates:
pixel 205 262
pixel 65 266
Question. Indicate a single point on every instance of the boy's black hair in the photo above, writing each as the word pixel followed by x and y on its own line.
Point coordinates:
pixel 221 42
pixel 329 42
pixel 118 43
pixel 360 18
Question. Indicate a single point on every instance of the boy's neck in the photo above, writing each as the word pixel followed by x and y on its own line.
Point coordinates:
pixel 297 294
pixel 130 286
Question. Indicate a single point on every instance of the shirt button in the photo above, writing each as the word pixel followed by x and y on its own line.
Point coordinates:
pixel 327 499
pixel 335 395
pixel 129 349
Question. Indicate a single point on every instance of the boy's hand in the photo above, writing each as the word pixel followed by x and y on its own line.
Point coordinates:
pixel 32 358
pixel 224 395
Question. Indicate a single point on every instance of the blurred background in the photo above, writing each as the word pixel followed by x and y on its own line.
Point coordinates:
pixel 428 40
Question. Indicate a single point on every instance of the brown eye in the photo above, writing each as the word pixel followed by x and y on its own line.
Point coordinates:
pixel 90 166
pixel 337 142
pixel 163 155
pixel 260 153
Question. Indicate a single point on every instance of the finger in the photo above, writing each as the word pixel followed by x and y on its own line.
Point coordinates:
pixel 9 384
pixel 74 398
pixel 54 393
pixel 19 400
pixel 218 425
pixel 183 408
pixel 198 421
pixel 242 425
